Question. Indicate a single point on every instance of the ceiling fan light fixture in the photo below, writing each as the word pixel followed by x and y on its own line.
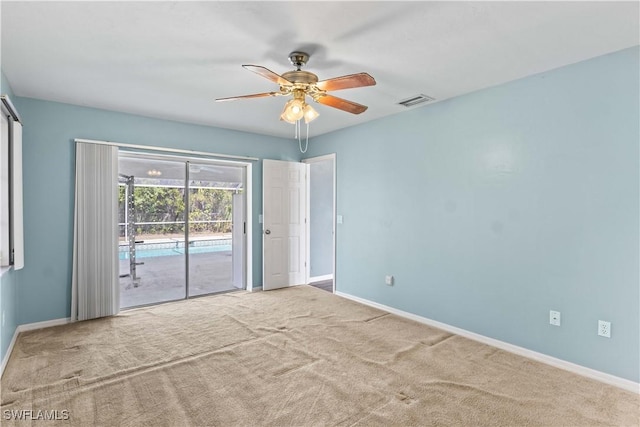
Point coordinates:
pixel 296 108
pixel 301 84
pixel 285 117
pixel 293 111
pixel 310 114
pixel 286 114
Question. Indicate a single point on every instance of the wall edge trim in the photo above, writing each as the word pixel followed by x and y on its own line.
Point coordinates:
pixel 7 355
pixel 41 325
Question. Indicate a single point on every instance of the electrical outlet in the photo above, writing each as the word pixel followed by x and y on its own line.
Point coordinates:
pixel 388 280
pixel 554 318
pixel 604 328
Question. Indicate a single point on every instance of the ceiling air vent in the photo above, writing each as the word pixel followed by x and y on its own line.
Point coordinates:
pixel 415 100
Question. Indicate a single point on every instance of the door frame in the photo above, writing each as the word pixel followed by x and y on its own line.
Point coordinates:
pixel 310 160
pixel 299 277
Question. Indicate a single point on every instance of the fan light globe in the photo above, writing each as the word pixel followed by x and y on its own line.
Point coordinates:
pixel 310 114
pixel 293 111
pixel 296 109
pixel 285 118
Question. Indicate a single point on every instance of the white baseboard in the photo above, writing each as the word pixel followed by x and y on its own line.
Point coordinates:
pixel 521 351
pixel 5 359
pixel 29 327
pixel 42 325
pixel 320 278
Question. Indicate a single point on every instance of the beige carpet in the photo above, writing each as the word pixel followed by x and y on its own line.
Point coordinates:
pixel 298 356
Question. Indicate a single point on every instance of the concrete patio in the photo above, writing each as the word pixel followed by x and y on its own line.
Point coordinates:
pixel 162 278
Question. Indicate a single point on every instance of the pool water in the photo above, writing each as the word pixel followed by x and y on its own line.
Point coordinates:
pixel 150 253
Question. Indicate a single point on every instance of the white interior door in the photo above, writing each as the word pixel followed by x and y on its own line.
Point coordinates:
pixel 284 222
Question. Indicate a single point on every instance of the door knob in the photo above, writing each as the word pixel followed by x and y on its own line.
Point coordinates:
pixel 267 231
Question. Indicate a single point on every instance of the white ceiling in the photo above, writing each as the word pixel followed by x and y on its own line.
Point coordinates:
pixel 170 60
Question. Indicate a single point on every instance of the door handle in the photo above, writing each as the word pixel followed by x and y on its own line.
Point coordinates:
pixel 267 231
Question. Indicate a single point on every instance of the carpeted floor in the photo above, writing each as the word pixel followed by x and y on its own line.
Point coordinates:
pixel 299 356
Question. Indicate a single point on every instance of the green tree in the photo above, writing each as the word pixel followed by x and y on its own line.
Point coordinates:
pixel 166 204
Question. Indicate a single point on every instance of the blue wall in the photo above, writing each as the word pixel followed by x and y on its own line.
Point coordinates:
pixel 8 306
pixel 8 282
pixel 493 208
pixel 48 155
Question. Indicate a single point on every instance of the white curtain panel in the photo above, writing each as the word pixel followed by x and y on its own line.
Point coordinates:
pixel 95 281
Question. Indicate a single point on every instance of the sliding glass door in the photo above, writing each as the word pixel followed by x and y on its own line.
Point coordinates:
pixel 152 229
pixel 176 221
pixel 210 227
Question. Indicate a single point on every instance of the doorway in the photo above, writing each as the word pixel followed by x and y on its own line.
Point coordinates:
pixel 322 214
pixel 299 223
pixel 177 219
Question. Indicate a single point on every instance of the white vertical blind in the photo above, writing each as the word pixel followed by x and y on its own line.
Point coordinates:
pixel 16 188
pixel 95 282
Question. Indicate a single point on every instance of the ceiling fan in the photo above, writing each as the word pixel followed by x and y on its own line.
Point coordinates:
pixel 301 84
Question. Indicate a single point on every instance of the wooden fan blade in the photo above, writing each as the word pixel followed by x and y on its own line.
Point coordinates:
pixel 346 82
pixel 255 95
pixel 341 104
pixel 268 74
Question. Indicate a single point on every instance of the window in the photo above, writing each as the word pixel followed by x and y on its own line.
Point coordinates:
pixel 11 237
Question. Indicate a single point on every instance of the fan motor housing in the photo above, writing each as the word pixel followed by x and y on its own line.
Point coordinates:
pixel 299 76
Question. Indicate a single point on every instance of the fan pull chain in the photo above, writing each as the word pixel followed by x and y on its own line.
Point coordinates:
pixel 300 142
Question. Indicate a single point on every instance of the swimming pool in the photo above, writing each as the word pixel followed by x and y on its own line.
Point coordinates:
pixel 159 252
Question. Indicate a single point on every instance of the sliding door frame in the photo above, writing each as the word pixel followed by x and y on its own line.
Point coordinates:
pixel 202 158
